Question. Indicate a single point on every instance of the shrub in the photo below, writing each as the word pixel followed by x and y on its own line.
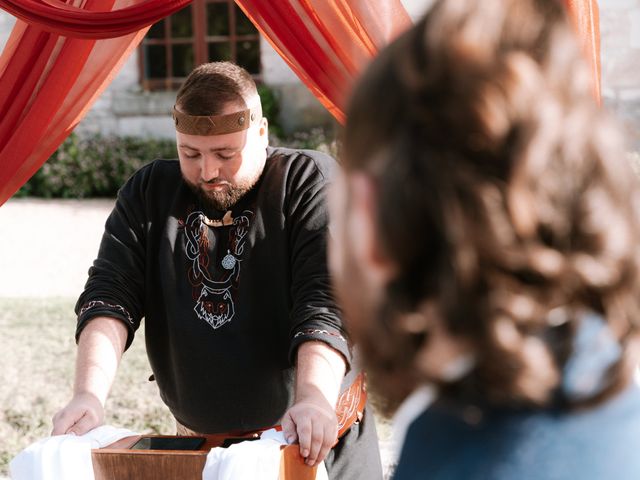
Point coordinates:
pixel 270 109
pixel 97 166
pixel 315 139
pixel 94 166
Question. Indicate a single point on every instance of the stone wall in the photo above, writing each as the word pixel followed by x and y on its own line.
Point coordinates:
pixel 125 109
pixel 620 32
pixel 6 24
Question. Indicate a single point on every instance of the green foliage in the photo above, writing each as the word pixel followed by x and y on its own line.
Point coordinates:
pixel 37 376
pixel 315 139
pixel 97 166
pixel 36 379
pixel 271 109
pixel 94 166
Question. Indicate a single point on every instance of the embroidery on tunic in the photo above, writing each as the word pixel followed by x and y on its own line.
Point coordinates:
pixel 317 331
pixel 215 303
pixel 99 303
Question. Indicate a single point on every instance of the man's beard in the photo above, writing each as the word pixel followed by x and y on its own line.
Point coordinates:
pixel 224 199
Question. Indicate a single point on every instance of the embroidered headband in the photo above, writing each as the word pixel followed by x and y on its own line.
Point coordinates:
pixel 215 124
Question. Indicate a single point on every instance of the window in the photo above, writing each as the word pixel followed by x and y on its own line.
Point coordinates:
pixel 204 31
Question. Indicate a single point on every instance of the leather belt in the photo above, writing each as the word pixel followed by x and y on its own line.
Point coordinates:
pixel 350 404
pixel 349 410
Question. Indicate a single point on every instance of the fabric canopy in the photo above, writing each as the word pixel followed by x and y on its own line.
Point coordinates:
pixel 327 42
pixel 586 19
pixel 49 78
pixel 60 57
pixel 95 19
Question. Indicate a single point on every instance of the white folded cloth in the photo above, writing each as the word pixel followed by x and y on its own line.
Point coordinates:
pixel 64 457
pixel 255 459
pixel 68 457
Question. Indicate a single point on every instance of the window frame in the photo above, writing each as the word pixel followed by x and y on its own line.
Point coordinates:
pixel 200 41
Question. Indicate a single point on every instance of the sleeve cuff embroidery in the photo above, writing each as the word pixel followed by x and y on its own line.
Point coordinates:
pixel 317 331
pixel 99 303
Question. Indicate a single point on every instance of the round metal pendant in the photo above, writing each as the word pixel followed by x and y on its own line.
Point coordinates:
pixel 228 262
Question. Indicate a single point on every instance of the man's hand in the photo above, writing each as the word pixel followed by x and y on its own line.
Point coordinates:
pixel 313 423
pixel 312 419
pixel 83 413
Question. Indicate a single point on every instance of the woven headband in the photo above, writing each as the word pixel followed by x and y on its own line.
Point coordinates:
pixel 215 124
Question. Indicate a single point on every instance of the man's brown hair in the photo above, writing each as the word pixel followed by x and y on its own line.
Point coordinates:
pixel 504 198
pixel 212 86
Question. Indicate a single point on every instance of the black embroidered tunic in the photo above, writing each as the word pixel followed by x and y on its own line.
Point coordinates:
pixel 225 307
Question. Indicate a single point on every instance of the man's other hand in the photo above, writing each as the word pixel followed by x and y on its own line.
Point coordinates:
pixel 83 413
pixel 313 423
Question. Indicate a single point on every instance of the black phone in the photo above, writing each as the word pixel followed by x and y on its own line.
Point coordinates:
pixel 227 442
pixel 168 443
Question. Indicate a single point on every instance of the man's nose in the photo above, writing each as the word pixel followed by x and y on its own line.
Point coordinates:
pixel 210 169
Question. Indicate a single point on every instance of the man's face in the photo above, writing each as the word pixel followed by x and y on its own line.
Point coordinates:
pixel 220 169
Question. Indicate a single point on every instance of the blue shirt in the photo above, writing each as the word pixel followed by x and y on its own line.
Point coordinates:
pixel 468 443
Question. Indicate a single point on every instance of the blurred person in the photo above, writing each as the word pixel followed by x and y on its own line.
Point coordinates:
pixel 223 252
pixel 486 242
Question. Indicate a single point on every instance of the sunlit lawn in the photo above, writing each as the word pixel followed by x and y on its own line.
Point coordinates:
pixel 37 376
pixel 38 348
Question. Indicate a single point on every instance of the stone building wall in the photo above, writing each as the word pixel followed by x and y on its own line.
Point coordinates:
pixel 620 53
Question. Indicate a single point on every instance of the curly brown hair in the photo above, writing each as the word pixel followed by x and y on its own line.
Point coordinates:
pixel 505 199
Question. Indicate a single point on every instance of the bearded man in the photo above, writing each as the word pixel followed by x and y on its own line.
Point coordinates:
pixel 223 253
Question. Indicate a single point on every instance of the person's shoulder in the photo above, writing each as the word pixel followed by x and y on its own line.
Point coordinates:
pixel 159 170
pixel 556 438
pixel 156 175
pixel 303 162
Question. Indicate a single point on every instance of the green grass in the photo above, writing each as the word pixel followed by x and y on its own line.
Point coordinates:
pixel 37 377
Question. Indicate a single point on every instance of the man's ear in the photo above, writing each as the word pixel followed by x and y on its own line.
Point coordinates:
pixel 365 231
pixel 264 131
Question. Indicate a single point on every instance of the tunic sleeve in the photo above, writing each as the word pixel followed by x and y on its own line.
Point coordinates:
pixel 115 287
pixel 315 315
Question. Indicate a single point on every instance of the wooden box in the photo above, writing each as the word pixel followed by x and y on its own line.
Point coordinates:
pixel 119 462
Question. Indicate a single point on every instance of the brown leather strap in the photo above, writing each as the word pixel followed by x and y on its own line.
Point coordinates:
pixel 349 410
pixel 350 405
pixel 215 124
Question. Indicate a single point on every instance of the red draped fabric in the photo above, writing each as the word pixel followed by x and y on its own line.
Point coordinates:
pixel 327 42
pixel 61 56
pixel 49 78
pixel 95 19
pixel 586 19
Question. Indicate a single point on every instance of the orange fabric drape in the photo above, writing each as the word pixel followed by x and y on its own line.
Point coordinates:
pixel 49 81
pixel 586 19
pixel 327 42
pixel 95 19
